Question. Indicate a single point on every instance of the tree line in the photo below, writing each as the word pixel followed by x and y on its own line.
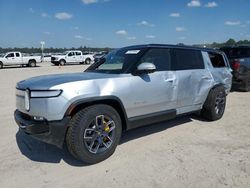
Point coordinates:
pixel 229 42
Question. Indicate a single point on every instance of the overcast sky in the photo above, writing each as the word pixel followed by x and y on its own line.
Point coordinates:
pixel 117 23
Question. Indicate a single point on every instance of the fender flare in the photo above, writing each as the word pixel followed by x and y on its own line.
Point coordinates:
pixel 100 100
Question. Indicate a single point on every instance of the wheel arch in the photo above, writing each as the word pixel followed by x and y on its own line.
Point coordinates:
pixel 62 59
pixel 112 101
pixel 30 60
pixel 218 85
pixel 212 88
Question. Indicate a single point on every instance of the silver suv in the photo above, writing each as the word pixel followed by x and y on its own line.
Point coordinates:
pixel 128 88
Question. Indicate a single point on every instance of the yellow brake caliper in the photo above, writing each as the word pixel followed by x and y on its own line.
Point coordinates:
pixel 106 129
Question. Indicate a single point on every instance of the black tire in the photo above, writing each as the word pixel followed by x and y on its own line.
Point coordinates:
pixel 84 129
pixel 62 62
pixel 87 61
pixel 247 83
pixel 32 63
pixel 1 65
pixel 214 106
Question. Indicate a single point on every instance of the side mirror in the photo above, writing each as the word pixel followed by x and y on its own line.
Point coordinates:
pixel 146 68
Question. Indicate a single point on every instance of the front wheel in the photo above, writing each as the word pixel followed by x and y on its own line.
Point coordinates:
pixel 94 133
pixel 62 62
pixel 214 106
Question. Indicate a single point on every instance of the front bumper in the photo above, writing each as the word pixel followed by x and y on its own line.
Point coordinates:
pixel 51 132
pixel 55 62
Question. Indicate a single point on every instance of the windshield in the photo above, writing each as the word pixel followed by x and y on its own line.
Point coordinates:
pixel 65 53
pixel 117 61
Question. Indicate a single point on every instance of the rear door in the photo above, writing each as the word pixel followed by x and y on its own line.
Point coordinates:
pixel 155 92
pixel 194 80
pixel 78 57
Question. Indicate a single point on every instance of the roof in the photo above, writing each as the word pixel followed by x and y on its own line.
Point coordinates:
pixel 170 46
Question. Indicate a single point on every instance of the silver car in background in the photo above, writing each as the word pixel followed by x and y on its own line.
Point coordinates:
pixel 130 87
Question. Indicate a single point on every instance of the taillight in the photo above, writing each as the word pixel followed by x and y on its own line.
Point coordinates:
pixel 236 65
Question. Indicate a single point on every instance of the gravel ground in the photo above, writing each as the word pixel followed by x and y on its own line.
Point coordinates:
pixel 185 152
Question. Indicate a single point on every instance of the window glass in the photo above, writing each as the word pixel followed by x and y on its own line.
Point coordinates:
pixel 185 59
pixel 159 57
pixel 17 55
pixel 71 54
pixel 78 53
pixel 237 52
pixel 117 61
pixel 10 55
pixel 244 52
pixel 217 60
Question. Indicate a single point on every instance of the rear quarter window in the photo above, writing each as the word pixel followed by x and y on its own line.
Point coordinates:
pixel 217 60
pixel 186 59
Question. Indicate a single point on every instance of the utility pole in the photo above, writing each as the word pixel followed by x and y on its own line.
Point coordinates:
pixel 42 48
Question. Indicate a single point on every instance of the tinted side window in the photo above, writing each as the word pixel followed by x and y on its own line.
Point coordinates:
pixel 78 53
pixel 244 52
pixel 10 55
pixel 71 54
pixel 17 55
pixel 217 60
pixel 159 57
pixel 185 59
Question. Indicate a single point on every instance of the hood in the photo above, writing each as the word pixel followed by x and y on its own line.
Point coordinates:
pixel 48 81
pixel 58 56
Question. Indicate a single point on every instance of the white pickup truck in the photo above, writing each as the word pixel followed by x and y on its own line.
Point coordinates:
pixel 71 57
pixel 17 58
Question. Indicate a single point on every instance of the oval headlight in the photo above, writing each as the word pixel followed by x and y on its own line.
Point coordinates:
pixel 45 93
pixel 27 99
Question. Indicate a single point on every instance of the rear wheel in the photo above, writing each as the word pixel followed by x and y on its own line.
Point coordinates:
pixel 87 61
pixel 94 133
pixel 32 63
pixel 247 83
pixel 1 65
pixel 214 106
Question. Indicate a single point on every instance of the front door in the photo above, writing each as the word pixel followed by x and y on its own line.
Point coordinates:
pixel 71 58
pixel 155 92
pixel 10 59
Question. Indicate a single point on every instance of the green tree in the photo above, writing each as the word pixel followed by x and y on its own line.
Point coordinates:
pixel 230 42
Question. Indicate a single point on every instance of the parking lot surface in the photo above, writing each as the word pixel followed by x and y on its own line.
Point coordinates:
pixel 185 152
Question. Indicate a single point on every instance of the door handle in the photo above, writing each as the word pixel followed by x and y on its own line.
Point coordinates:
pixel 170 80
pixel 205 77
